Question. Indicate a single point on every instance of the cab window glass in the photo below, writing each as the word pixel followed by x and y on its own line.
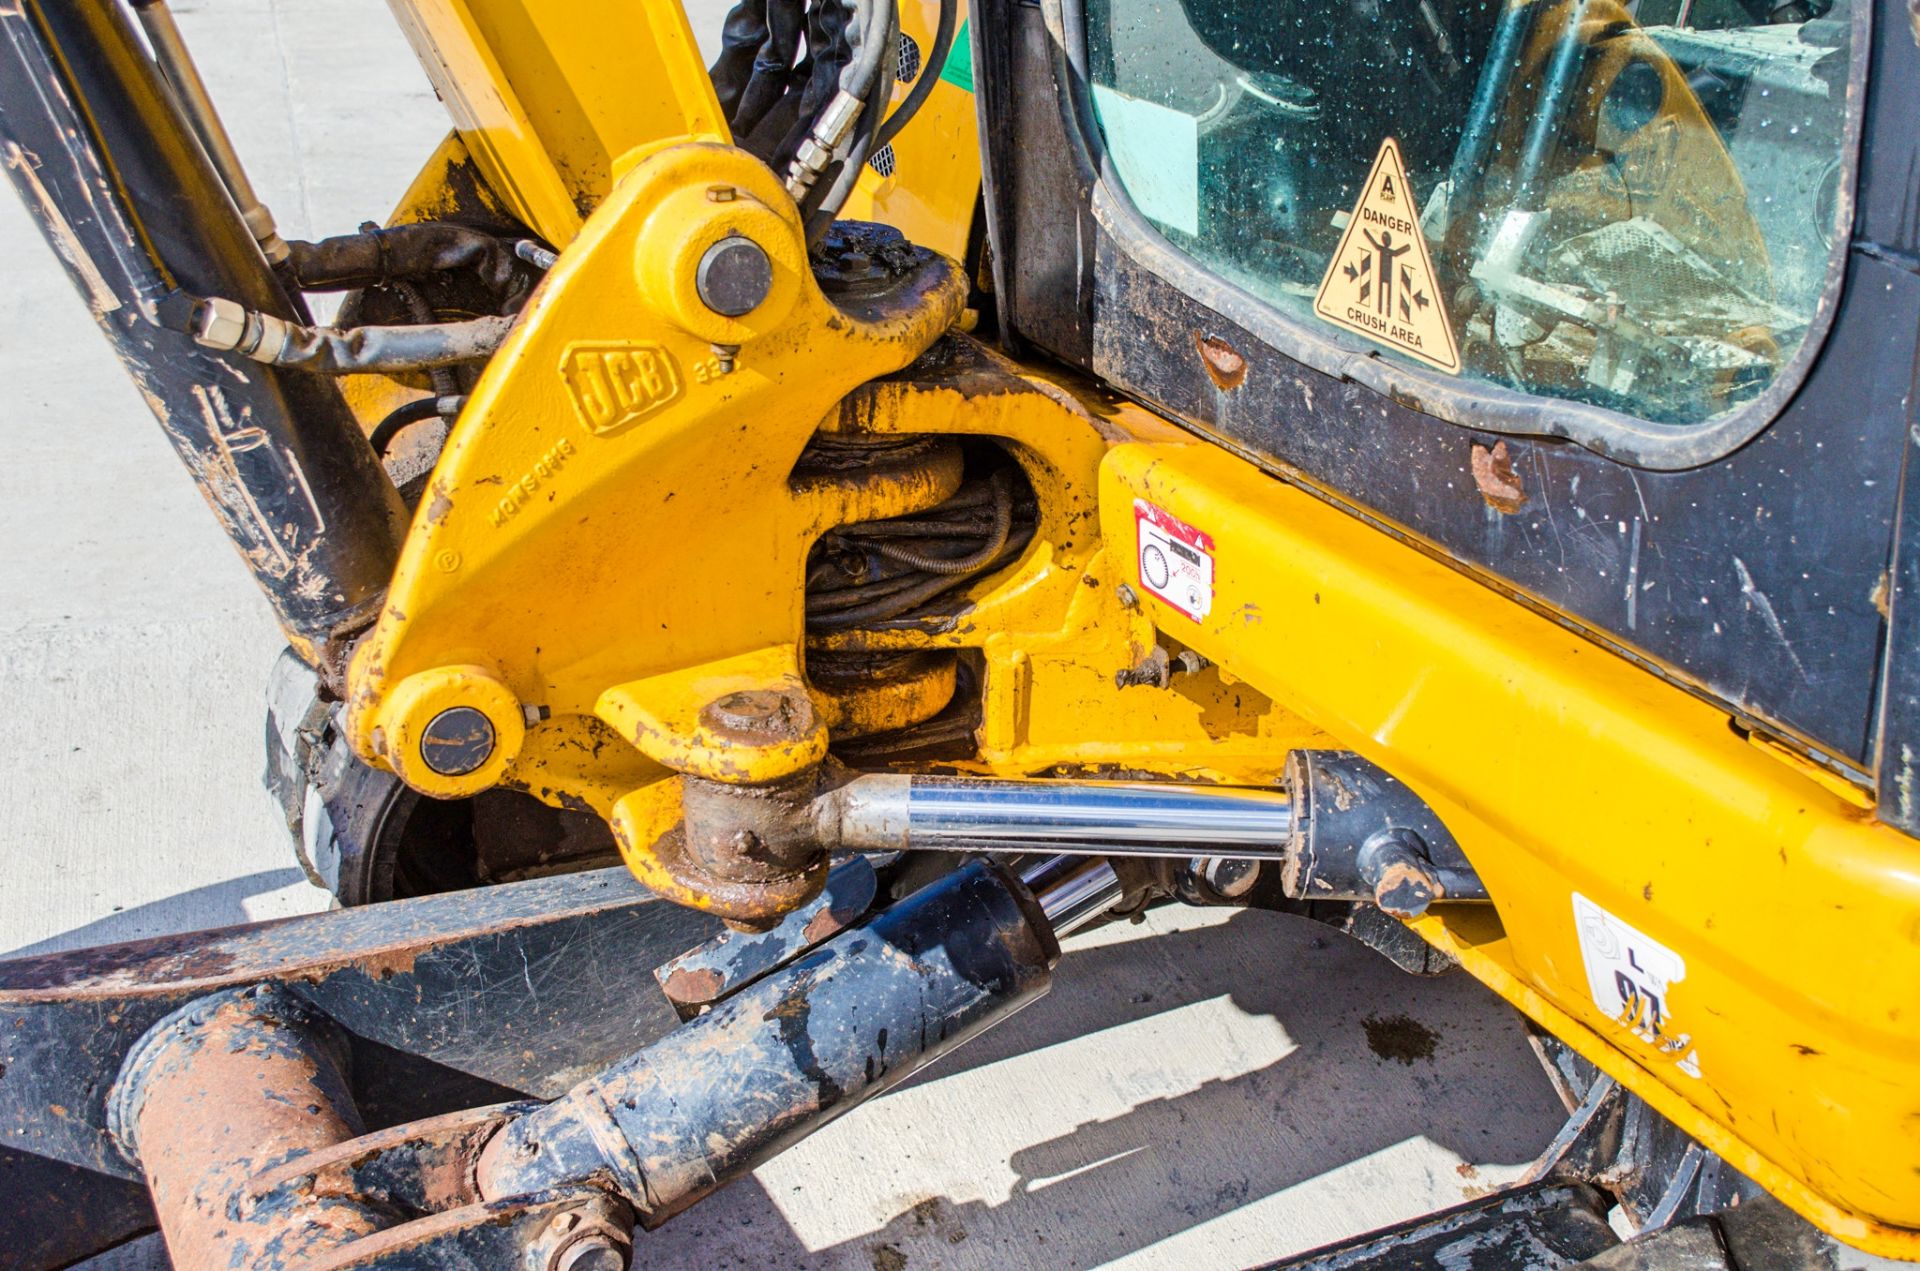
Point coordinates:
pixel 1632 205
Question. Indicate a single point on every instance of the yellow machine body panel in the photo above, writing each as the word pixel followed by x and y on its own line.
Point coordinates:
pixel 1576 781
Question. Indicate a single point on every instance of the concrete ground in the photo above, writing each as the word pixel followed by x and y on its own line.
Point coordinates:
pixel 1202 1090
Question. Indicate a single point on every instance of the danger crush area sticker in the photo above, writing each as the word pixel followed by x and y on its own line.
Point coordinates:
pixel 1175 559
pixel 1380 282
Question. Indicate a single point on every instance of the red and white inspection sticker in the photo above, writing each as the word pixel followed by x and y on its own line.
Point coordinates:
pixel 1176 560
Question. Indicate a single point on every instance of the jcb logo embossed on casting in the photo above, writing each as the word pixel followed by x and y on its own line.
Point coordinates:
pixel 615 386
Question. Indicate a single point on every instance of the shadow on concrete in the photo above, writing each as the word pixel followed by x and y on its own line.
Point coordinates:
pixel 215 905
pixel 1112 1187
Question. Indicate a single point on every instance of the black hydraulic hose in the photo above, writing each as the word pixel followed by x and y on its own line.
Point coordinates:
pixel 376 255
pixel 871 51
pixel 845 175
pixel 422 313
pixel 839 599
pixel 219 323
pixel 413 412
pixel 868 81
pixel 996 539
pixel 904 602
pixel 865 143
pixel 930 68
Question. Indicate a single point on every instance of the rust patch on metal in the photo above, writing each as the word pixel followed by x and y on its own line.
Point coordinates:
pixel 693 987
pixel 1225 367
pixel 758 716
pixel 823 924
pixel 233 1083
pixel 1498 483
pixel 384 964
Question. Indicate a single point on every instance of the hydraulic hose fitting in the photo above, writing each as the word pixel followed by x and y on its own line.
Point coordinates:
pixel 817 151
pixel 219 323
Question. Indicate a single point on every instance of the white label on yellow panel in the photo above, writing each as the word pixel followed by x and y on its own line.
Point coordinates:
pixel 1176 560
pixel 1380 283
pixel 1631 977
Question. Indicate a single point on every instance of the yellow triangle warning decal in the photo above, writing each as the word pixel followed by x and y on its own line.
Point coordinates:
pixel 1380 282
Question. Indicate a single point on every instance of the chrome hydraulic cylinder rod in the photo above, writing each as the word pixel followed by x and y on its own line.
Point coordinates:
pixel 887 812
pixel 183 76
pixel 1073 890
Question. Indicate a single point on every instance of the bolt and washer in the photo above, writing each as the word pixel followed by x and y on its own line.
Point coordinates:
pixel 595 1253
pixel 565 1246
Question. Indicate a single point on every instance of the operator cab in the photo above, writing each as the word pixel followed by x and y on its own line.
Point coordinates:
pixel 1600 300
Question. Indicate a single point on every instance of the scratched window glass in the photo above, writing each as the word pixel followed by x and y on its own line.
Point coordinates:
pixel 1633 205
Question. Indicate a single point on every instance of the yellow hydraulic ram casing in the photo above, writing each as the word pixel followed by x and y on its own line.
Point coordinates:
pixel 1621 826
pixel 547 95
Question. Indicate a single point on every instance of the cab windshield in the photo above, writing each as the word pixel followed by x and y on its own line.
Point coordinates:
pixel 1633 205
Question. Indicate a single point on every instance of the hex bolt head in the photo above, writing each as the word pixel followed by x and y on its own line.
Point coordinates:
pixel 734 276
pixel 457 741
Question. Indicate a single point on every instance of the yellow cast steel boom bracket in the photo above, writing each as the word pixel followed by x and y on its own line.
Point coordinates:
pixel 1053 629
pixel 610 532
